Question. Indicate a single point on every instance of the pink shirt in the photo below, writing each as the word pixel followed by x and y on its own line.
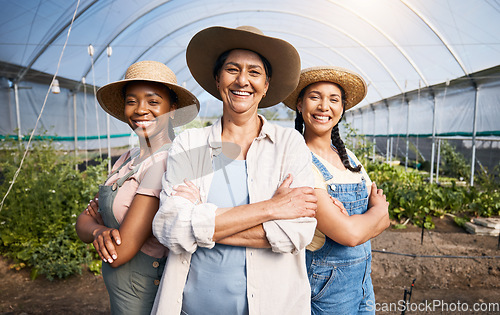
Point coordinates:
pixel 146 181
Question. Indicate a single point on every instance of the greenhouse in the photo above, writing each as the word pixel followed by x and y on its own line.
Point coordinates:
pixel 432 66
pixel 428 130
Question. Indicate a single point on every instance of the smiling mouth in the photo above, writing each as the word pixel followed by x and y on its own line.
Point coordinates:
pixel 322 118
pixel 144 123
pixel 241 93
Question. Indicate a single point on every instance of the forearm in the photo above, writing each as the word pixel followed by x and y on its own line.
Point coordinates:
pixel 241 220
pixel 86 227
pixel 254 237
pixel 363 227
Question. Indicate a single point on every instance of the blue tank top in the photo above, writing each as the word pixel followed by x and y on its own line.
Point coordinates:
pixel 216 282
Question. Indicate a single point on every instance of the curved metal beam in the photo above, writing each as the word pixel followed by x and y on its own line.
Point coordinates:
pixel 50 41
pixel 372 53
pixel 364 74
pixel 113 37
pixel 438 35
pixel 390 39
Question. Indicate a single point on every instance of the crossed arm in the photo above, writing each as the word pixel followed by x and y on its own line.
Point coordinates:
pixel 118 246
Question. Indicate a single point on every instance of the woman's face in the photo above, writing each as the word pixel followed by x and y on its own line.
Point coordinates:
pixel 321 107
pixel 146 107
pixel 242 81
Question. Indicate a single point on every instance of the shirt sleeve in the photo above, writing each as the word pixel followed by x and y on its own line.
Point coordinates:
pixel 291 236
pixel 319 181
pixel 179 224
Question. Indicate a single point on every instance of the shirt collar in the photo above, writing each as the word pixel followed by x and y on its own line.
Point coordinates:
pixel 215 140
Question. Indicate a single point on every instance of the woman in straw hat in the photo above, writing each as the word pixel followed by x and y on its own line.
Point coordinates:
pixel 151 103
pixel 237 244
pixel 339 257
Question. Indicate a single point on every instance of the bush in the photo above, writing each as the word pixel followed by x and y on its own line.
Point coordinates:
pixel 413 199
pixel 38 216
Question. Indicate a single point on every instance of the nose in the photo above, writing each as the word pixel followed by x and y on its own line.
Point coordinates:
pixel 142 107
pixel 242 78
pixel 323 105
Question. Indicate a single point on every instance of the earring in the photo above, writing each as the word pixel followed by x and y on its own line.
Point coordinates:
pixel 264 95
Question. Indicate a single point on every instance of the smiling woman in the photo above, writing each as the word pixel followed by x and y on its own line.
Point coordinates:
pixel 118 220
pixel 237 230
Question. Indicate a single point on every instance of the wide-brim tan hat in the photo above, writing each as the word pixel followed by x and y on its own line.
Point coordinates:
pixel 353 84
pixel 112 100
pixel 207 45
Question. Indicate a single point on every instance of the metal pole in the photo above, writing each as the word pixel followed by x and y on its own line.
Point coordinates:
pixel 438 160
pixel 474 127
pixel 407 134
pixel 75 129
pixel 18 115
pixel 374 130
pixel 109 51
pixel 433 139
pixel 388 132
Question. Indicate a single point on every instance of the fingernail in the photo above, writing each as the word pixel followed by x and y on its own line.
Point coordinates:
pixel 114 256
pixel 96 198
pixel 118 242
pixel 173 193
pixel 110 260
pixel 104 259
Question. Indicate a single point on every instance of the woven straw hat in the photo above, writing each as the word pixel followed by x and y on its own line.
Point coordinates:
pixel 353 84
pixel 207 45
pixel 112 100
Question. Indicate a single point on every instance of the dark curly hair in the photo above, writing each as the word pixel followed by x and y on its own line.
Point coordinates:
pixel 335 136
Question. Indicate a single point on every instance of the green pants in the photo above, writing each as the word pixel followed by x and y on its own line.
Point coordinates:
pixel 132 287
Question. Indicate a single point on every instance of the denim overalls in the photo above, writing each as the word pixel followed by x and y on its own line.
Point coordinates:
pixel 340 275
pixel 132 286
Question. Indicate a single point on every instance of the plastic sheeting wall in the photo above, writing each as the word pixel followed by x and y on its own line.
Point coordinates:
pixel 454 112
pixel 58 117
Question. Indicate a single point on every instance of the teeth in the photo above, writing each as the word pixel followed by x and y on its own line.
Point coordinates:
pixel 144 124
pixel 322 118
pixel 241 93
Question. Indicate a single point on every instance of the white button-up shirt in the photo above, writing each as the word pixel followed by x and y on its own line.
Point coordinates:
pixel 277 280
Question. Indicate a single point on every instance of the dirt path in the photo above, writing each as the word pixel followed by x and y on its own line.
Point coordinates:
pixel 438 280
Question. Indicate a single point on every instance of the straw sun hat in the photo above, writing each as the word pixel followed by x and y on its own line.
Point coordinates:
pixel 353 84
pixel 207 45
pixel 111 96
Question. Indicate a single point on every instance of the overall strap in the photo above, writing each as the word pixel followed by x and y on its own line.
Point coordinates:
pixel 130 158
pixel 123 179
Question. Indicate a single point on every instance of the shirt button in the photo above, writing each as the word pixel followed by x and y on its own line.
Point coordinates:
pixel 156 264
pixel 184 262
pixel 157 282
pixel 179 300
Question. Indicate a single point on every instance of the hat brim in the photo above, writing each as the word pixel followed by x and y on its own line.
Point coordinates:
pixel 111 99
pixel 207 45
pixel 354 85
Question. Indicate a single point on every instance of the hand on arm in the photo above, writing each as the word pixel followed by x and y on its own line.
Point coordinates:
pixel 242 225
pixel 356 229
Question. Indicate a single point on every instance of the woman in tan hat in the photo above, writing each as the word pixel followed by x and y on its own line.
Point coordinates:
pixel 151 103
pixel 237 244
pixel 339 257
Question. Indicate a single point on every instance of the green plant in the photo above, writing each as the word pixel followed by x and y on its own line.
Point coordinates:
pixel 38 216
pixel 453 163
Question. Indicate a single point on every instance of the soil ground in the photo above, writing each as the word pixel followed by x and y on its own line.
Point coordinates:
pixel 448 285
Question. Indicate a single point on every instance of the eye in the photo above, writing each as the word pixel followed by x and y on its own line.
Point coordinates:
pixel 314 97
pixel 130 102
pixel 232 70
pixel 154 102
pixel 255 73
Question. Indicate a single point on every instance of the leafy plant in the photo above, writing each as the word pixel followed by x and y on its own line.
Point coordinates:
pixel 38 217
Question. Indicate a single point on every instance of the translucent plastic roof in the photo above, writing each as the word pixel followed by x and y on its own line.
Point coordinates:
pixel 397 45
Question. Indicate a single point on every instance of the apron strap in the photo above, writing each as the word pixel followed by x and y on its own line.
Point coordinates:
pixel 123 179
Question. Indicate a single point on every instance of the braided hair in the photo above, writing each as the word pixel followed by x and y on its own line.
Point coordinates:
pixel 335 136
